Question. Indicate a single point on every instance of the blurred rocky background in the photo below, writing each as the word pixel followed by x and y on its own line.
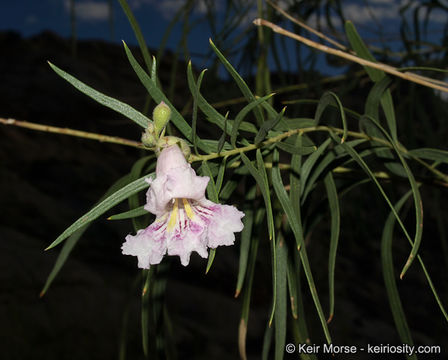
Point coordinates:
pixel 47 181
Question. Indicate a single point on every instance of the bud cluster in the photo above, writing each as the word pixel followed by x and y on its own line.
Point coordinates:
pixel 154 136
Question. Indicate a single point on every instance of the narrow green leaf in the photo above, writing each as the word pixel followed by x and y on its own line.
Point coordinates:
pixel 416 196
pixel 245 126
pixel 211 258
pixel 267 126
pixel 430 154
pixel 239 81
pixel 228 189
pixel 220 177
pixel 303 150
pixel 309 163
pixel 261 179
pixel 210 112
pixel 222 139
pixel 242 114
pixel 137 32
pixel 328 159
pixel 433 289
pixel 103 206
pixel 246 236
pixel 249 277
pixel 213 196
pixel 211 187
pixel 73 239
pixel 105 100
pixel 381 94
pixel 281 302
pixel 145 313
pixel 268 202
pixel 330 98
pixel 375 95
pixel 352 152
pixel 62 257
pixel 295 180
pixel 376 75
pixel 389 112
pixel 130 214
pixel 271 112
pixel 159 96
pixel 195 111
pixel 168 31
pixel 389 278
pixel 333 201
pixel 137 171
pixel 292 288
pixel 362 51
pixel 296 227
pixel 295 184
pixel 299 325
pixel 267 342
pixel 294 123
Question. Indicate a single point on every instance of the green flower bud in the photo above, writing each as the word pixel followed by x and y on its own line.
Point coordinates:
pixel 161 115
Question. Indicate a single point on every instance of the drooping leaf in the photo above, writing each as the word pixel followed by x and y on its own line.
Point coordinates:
pixel 416 196
pixel 105 100
pixel 333 201
pixel 130 214
pixel 389 276
pixel 246 236
pixel 309 163
pixel 330 98
pixel 103 206
pixel 261 179
pixel 239 81
pixel 74 238
pixel 281 302
pixel 145 308
pixel 296 227
pixel 242 114
pixel 248 281
pixel 354 154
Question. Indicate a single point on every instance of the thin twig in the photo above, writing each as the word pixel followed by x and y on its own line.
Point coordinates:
pixel 306 27
pixel 72 132
pixel 251 147
pixel 422 80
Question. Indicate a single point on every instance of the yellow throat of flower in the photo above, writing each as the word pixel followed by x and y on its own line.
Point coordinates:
pixel 174 213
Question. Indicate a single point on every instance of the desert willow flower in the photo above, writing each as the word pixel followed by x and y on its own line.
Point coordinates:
pixel 185 220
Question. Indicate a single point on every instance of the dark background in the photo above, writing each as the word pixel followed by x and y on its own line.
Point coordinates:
pixel 47 181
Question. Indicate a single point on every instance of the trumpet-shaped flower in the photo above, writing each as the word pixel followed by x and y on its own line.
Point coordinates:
pixel 185 220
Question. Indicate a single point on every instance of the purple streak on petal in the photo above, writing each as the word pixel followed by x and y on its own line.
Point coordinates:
pixel 149 245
